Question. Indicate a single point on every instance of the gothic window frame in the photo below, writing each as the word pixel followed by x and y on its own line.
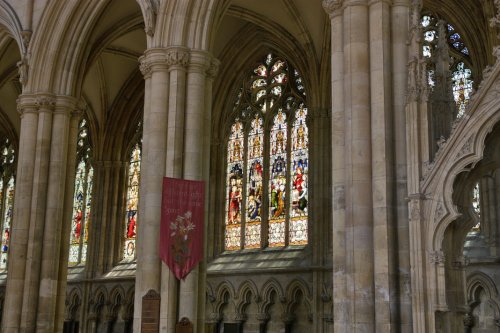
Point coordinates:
pixel 125 241
pixel 81 217
pixel 461 67
pixel 8 161
pixel 245 109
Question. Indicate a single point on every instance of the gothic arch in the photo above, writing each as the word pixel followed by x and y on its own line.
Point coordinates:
pixel 477 281
pixel 295 288
pixel 271 286
pixel 247 294
pixel 10 21
pixel 73 303
pixel 225 296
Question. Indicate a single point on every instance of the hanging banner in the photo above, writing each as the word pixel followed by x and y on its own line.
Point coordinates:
pixel 181 230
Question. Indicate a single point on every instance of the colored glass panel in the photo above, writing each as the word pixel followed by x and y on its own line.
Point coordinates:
pixel 234 187
pixel 462 87
pixel 277 180
pixel 134 175
pixel 476 205
pixel 82 198
pixel 7 220
pixel 299 183
pixel 254 192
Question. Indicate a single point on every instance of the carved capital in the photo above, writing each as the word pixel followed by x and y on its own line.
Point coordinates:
pixel 45 102
pixel 437 257
pixel 177 57
pixel 288 318
pixel 145 67
pixel 332 7
pixel 214 317
pixel 263 317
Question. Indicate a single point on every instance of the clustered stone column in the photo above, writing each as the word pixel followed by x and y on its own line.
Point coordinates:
pixel 37 269
pixel 367 94
pixel 174 145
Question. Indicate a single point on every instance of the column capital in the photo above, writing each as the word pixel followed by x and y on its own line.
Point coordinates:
pixel 349 3
pixel 200 60
pixel 177 57
pixel 45 102
pixel 26 104
pixel 332 7
pixel 153 60
pixel 372 2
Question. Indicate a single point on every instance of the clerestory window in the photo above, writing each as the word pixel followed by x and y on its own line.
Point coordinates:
pixel 267 160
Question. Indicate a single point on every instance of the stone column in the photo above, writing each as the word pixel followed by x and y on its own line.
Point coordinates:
pixel 191 295
pixel 399 32
pixel 45 105
pixel 358 169
pixel 54 217
pixel 382 165
pixel 177 61
pixel 13 304
pixel 67 212
pixel 335 11
pixel 148 274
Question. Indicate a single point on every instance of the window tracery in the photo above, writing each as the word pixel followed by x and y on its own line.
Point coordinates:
pixel 267 160
pixel 82 199
pixel 7 185
pixel 459 59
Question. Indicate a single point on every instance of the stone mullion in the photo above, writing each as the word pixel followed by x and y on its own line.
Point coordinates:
pixel 13 303
pixel 358 158
pixel 94 261
pixel 67 216
pixel 244 196
pixel 45 106
pixel 148 273
pixel 116 223
pixel 190 300
pixel 339 296
pixel 52 234
pixel 382 138
pixel 104 195
pixel 399 32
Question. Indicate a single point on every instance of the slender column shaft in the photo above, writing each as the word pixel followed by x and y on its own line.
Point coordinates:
pixel 193 166
pixel 340 306
pixel 37 218
pixel 13 303
pixel 359 219
pixel 177 60
pixel 152 171
pixel 399 31
pixel 52 235
pixel 382 164
pixel 67 216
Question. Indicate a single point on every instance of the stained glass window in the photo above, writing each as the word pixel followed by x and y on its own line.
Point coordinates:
pixel 461 80
pixel 267 160
pixel 82 199
pixel 7 184
pixel 476 205
pixel 134 177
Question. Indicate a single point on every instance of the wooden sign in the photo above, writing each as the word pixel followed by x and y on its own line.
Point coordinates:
pixel 150 322
pixel 184 326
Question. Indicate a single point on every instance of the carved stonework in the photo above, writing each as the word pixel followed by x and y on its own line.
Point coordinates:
pixel 214 317
pixel 414 211
pixel 263 317
pixel 440 212
pixel 332 6
pixel 45 102
pixel 145 67
pixel 495 21
pixel 238 317
pixel 26 36
pixel 177 57
pixel 213 69
pixel 466 148
pixel 288 318
pixel 23 70
pixel 437 258
pixel 468 320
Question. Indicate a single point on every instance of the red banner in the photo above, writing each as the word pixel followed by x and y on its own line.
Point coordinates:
pixel 181 231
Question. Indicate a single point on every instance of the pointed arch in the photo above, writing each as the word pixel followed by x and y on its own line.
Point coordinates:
pixel 10 21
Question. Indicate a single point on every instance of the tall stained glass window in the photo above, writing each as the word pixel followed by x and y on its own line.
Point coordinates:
pixel 82 199
pixel 476 205
pixel 7 183
pixel 134 177
pixel 267 160
pixel 461 73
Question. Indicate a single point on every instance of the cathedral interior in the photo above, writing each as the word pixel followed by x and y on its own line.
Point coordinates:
pixel 350 151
